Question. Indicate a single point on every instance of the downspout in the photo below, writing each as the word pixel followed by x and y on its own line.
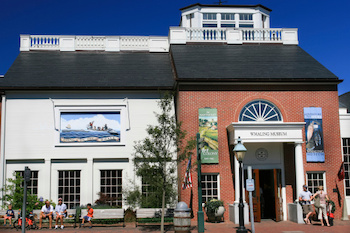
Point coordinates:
pixel 2 143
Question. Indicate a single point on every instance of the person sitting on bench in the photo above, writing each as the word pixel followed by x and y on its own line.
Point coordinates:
pixel 46 212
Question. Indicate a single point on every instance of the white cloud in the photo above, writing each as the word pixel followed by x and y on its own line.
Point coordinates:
pixel 82 123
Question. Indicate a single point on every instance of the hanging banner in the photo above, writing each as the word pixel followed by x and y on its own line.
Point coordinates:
pixel 314 135
pixel 208 129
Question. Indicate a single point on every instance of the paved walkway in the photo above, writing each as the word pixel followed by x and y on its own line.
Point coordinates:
pixel 267 226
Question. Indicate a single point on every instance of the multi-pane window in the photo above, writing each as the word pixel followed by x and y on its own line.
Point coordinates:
pixel 147 189
pixel 69 187
pixel 227 16
pixel 245 16
pixel 315 179
pixel 32 185
pixel 111 185
pixel 246 25
pixel 227 25
pixel 210 25
pixel 210 187
pixel 209 16
pixel 346 153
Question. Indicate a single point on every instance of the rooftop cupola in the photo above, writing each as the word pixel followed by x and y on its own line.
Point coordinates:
pixel 231 24
pixel 225 16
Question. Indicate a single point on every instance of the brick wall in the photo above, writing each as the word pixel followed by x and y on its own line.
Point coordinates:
pixel 291 104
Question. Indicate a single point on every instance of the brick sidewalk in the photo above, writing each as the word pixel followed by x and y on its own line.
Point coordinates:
pixel 267 226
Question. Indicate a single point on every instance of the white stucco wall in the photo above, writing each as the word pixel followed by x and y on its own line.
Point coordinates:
pixel 32 140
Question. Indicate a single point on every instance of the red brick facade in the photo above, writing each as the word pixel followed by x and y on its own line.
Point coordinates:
pixel 291 104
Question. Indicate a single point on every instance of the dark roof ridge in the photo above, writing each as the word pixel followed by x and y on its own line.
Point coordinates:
pixel 213 5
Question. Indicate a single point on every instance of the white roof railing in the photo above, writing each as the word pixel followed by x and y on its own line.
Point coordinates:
pixel 177 35
pixel 101 43
pixel 182 35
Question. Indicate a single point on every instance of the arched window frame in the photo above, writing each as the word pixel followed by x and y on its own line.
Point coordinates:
pixel 260 110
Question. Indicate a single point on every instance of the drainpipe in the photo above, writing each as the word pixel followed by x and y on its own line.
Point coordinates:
pixel 2 143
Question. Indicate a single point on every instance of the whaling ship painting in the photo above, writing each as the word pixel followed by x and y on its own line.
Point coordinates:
pixel 90 127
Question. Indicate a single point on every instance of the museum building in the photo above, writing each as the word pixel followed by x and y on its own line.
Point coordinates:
pixel 72 106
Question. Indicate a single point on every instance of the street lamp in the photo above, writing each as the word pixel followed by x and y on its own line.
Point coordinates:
pixel 239 151
pixel 200 214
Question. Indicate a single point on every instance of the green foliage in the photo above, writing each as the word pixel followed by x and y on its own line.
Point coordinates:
pixel 156 157
pixel 105 200
pixel 333 205
pixel 212 205
pixel 13 194
pixel 133 197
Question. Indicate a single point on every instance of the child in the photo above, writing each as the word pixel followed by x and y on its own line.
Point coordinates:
pixel 89 216
pixel 9 215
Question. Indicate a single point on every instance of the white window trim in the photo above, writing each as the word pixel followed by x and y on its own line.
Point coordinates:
pixel 324 179
pixel 98 106
pixel 218 178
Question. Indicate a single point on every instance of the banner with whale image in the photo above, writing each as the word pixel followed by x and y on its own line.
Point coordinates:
pixel 314 135
pixel 90 127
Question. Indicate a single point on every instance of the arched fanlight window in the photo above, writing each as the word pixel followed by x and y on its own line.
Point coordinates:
pixel 260 110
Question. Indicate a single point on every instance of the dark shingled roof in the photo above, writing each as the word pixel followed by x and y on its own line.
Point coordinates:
pixel 92 70
pixel 344 101
pixel 246 62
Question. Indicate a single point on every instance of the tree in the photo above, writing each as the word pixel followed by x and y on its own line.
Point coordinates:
pixel 156 157
pixel 13 194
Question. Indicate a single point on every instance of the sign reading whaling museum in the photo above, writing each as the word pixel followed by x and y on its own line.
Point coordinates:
pixel 314 134
pixel 208 129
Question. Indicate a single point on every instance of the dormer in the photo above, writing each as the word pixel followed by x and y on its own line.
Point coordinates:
pixel 225 16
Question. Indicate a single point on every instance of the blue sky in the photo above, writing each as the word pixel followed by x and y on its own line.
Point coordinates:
pixel 324 26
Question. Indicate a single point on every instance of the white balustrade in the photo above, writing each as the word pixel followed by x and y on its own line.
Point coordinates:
pixel 44 42
pixel 206 34
pixel 134 43
pixel 90 43
pixel 177 35
pixel 264 34
pixel 248 35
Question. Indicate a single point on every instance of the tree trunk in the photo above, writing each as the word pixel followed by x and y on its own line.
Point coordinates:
pixel 162 219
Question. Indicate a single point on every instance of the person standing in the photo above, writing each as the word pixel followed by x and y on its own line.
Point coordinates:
pixel 305 200
pixel 322 209
pixel 61 212
pixel 46 212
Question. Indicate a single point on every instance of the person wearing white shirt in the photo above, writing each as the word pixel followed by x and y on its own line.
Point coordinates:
pixel 61 212
pixel 46 212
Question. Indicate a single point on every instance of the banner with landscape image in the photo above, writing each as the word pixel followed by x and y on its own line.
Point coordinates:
pixel 208 130
pixel 90 127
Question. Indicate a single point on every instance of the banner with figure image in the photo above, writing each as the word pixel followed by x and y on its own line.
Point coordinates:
pixel 208 129
pixel 314 134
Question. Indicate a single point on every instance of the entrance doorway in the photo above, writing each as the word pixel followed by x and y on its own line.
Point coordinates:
pixel 267 197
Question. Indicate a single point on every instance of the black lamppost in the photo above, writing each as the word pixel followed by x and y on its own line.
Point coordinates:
pixel 239 151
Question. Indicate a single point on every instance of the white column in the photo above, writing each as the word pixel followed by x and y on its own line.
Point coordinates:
pixel 236 20
pixel 90 167
pixel 47 180
pixel 299 168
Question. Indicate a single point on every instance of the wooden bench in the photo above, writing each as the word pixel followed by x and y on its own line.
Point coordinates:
pixel 152 213
pixel 106 214
pixel 71 215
